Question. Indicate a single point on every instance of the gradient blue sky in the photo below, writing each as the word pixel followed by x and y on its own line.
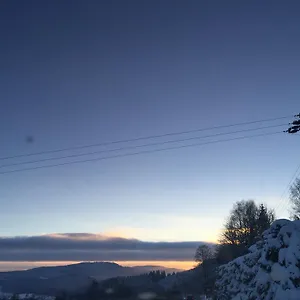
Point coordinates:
pixel 82 72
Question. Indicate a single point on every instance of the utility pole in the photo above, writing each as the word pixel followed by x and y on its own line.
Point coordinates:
pixel 296 125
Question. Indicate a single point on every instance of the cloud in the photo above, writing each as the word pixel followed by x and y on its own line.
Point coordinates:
pixel 90 247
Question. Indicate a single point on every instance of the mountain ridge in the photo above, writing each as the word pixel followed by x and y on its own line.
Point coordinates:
pixel 53 279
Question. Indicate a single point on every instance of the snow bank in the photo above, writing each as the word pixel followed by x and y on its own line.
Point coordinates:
pixel 9 296
pixel 271 269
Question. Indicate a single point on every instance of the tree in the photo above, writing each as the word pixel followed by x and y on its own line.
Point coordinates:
pixel 206 266
pixel 92 292
pixel 243 228
pixel 228 252
pixel 295 199
pixel 265 219
pixel 157 275
pixel 203 253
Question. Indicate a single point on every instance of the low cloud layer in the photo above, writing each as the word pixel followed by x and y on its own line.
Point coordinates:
pixel 90 247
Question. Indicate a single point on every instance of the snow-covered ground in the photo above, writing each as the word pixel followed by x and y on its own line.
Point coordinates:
pixel 271 270
pixel 25 296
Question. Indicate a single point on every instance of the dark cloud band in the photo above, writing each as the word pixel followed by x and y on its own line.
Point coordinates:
pixel 90 247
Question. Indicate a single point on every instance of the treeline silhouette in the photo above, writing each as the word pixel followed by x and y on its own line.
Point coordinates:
pixel 118 287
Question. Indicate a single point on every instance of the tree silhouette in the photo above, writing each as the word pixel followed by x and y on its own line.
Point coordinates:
pixel 203 253
pixel 243 228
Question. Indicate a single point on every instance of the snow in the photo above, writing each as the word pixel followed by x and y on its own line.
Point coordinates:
pixel 26 296
pixel 279 273
pixel 269 271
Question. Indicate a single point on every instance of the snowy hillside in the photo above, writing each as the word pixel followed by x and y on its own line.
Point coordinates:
pixel 269 271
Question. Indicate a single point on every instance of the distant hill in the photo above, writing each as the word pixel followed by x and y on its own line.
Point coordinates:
pixel 70 278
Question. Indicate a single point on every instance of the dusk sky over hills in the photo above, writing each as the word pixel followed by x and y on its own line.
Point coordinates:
pixel 77 73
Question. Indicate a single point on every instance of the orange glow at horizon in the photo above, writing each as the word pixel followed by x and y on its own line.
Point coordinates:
pixel 25 265
pixel 183 265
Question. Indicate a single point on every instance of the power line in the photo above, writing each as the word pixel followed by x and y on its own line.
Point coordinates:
pixel 138 153
pixel 136 146
pixel 142 138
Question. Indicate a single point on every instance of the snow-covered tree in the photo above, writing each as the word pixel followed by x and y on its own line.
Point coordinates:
pixel 269 271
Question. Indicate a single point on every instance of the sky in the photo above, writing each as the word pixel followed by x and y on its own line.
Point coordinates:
pixel 88 72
